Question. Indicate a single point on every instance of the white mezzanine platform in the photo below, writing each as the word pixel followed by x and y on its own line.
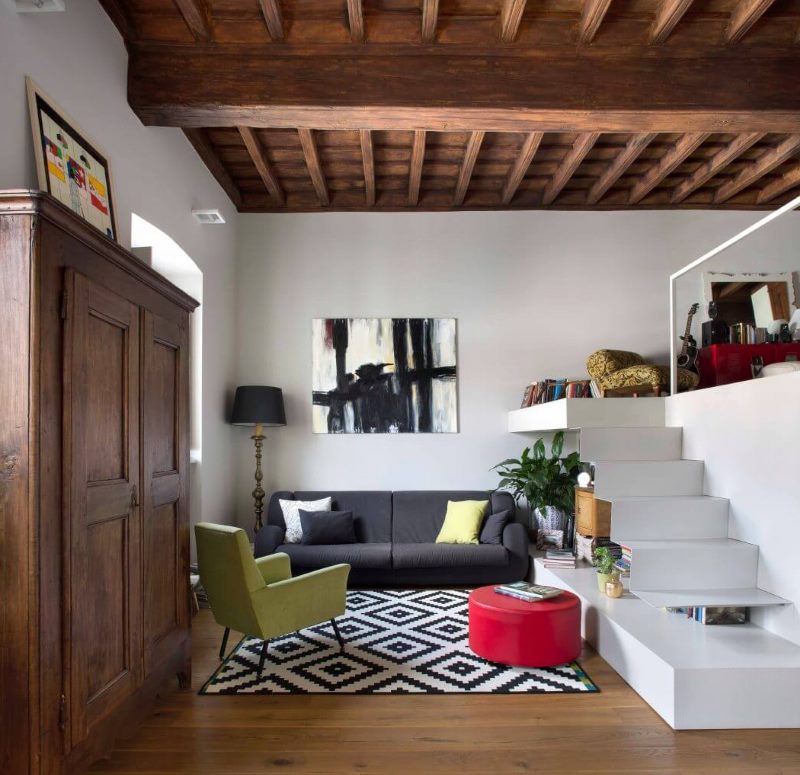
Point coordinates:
pixel 574 413
pixel 694 676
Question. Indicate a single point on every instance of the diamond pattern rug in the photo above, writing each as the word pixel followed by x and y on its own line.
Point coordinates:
pixel 397 642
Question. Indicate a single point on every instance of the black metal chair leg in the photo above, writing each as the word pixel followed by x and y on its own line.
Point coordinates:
pixel 224 642
pixel 262 658
pixel 337 634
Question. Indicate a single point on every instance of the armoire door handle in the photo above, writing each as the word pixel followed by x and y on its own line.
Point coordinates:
pixel 134 497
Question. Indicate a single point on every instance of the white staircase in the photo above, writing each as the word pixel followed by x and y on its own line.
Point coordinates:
pixel 678 537
pixel 695 676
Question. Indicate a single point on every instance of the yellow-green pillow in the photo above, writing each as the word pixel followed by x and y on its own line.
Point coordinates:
pixel 462 522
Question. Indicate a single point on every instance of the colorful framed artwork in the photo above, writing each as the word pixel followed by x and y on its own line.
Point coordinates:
pixel 68 165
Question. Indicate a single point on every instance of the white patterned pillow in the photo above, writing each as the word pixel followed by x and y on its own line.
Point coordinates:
pixel 291 516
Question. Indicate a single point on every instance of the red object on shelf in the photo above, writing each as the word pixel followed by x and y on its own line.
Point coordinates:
pixel 721 364
pixel 514 632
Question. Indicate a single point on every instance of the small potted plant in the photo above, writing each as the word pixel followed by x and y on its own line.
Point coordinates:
pixel 547 483
pixel 604 564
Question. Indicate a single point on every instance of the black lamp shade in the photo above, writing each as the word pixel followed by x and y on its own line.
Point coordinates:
pixel 258 404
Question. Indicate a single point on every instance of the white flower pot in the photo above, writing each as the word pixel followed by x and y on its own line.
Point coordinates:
pixel 550 518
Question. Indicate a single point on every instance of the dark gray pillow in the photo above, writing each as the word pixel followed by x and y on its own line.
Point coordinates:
pixel 493 526
pixel 328 527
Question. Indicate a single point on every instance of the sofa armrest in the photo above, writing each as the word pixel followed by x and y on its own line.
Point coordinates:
pixel 268 539
pixel 515 540
pixel 274 567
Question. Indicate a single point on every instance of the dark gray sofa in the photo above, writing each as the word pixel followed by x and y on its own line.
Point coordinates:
pixel 397 540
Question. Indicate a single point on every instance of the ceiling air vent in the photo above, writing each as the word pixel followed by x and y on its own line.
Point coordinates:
pixel 208 216
pixel 35 6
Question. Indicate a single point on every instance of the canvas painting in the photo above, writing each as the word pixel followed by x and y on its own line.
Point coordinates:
pixel 68 165
pixel 384 375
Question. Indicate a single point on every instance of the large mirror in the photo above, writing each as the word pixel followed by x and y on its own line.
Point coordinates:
pixel 753 307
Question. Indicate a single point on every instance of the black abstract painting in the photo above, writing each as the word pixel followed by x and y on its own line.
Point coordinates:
pixel 384 375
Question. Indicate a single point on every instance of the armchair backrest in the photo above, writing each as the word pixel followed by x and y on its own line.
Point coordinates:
pixel 229 575
pixel 604 363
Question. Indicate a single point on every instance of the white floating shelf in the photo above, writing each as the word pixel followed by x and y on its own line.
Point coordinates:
pixel 713 598
pixel 695 676
pixel 574 413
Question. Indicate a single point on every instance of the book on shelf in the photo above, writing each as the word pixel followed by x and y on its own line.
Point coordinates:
pixel 530 593
pixel 718 614
pixel 546 390
pixel 559 558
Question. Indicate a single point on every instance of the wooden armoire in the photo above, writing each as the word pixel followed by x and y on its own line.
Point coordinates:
pixel 94 467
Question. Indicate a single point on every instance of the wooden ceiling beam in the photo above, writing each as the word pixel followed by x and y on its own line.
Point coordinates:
pixel 670 12
pixel 510 18
pixel 256 151
pixel 617 168
pixel 430 16
pixel 521 90
pixel 591 18
pixel 521 165
pixel 355 16
pixel 415 169
pixel 467 165
pixel 314 167
pixel 763 165
pixel 680 151
pixel 781 185
pixel 199 140
pixel 744 16
pixel 273 18
pixel 365 137
pixel 195 14
pixel 715 164
pixel 582 145
pixel 118 13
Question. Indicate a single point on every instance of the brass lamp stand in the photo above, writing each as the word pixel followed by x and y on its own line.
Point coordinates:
pixel 258 493
pixel 258 405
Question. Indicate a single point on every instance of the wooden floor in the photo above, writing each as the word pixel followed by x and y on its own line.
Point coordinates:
pixel 610 733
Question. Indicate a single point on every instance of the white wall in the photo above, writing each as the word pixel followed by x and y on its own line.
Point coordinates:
pixel 79 58
pixel 534 294
pixel 748 435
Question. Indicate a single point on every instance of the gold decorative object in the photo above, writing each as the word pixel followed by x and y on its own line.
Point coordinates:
pixel 614 587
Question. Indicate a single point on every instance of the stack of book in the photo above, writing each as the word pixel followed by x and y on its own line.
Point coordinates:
pixel 547 390
pixel 623 564
pixel 530 593
pixel 585 547
pixel 714 614
pixel 559 558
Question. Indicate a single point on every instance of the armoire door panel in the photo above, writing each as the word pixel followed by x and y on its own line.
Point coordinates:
pixel 102 536
pixel 165 434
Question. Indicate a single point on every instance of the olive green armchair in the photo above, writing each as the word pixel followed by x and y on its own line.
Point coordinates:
pixel 259 597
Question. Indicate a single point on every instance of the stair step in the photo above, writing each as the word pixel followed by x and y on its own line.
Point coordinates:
pixel 711 563
pixel 657 478
pixel 748 597
pixel 630 444
pixel 689 516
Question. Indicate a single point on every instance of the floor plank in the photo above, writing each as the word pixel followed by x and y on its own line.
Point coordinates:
pixel 614 731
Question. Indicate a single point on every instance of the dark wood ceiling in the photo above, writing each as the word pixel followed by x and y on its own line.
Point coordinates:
pixel 314 105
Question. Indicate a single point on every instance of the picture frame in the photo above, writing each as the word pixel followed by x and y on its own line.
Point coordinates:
pixel 69 166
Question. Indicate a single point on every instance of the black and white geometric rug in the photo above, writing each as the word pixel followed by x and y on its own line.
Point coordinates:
pixel 397 642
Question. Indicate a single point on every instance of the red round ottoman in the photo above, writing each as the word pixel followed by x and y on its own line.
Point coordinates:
pixel 515 632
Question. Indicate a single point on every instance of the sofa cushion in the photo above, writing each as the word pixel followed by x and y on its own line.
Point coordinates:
pixel 291 516
pixel 327 527
pixel 372 511
pixel 356 555
pixel 418 515
pixel 493 527
pixel 430 555
pixel 462 522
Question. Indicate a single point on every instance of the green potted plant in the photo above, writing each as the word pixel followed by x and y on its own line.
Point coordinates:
pixel 604 564
pixel 547 483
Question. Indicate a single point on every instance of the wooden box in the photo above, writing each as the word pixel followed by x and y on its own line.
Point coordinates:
pixel 592 516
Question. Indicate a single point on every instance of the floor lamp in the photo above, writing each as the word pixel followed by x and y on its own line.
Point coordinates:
pixel 258 406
